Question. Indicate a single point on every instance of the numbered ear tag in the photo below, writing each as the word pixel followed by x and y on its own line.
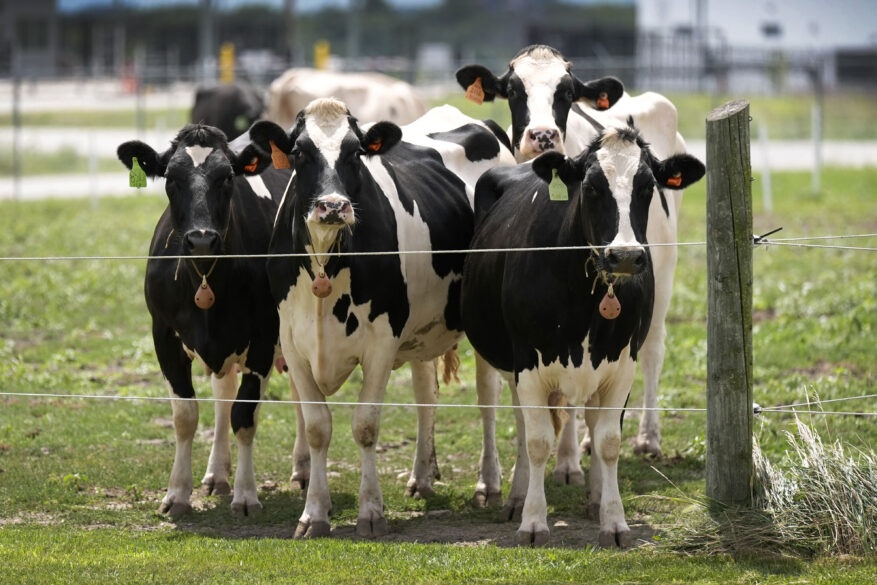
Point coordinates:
pixel 603 101
pixel 557 190
pixel 136 177
pixel 475 93
pixel 610 308
pixel 204 297
pixel 322 286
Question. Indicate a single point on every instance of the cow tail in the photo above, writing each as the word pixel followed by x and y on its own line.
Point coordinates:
pixel 450 363
pixel 559 415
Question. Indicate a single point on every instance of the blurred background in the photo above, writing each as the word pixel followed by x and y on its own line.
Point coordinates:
pixel 140 62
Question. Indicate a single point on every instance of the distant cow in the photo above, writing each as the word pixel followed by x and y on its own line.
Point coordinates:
pixel 567 326
pixel 231 107
pixel 214 309
pixel 370 96
pixel 361 190
pixel 542 93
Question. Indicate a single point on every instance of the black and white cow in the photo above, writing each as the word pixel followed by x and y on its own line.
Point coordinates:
pixel 395 203
pixel 231 107
pixel 566 327
pixel 210 308
pixel 541 91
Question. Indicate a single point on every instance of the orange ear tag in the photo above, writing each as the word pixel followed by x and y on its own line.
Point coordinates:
pixel 603 101
pixel 675 180
pixel 278 157
pixel 475 93
pixel 254 164
pixel 376 145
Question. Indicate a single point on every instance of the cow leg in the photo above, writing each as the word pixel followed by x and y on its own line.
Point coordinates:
pixel 317 428
pixel 244 421
pixel 216 478
pixel 366 424
pixel 301 456
pixel 423 378
pixel 540 439
pixel 177 369
pixel 606 432
pixel 514 505
pixel 568 469
pixel 488 384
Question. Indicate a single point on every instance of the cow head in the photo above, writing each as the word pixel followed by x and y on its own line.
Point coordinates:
pixel 199 168
pixel 540 89
pixel 326 145
pixel 616 178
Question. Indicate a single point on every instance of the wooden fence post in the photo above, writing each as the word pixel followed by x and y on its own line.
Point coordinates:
pixel 729 464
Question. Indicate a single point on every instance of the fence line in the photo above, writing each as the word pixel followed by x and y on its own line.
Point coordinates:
pixel 791 242
pixel 789 408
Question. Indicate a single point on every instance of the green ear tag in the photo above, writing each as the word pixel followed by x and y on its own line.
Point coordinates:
pixel 136 178
pixel 556 188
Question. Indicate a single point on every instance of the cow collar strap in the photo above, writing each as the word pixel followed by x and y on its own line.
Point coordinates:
pixel 322 286
pixel 610 307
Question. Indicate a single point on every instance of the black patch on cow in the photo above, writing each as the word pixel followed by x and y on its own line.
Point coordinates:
pixel 453 320
pixel 341 308
pixel 243 414
pixel 478 143
pixel 351 325
pixel 664 202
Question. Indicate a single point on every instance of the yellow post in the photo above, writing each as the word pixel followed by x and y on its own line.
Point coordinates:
pixel 322 51
pixel 226 63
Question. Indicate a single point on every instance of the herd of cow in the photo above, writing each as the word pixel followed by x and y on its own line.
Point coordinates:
pixel 324 246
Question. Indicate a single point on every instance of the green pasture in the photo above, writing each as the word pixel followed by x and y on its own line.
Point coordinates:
pixel 86 438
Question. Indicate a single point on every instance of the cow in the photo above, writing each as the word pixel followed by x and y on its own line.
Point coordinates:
pixel 231 107
pixel 371 96
pixel 566 327
pixel 208 307
pixel 552 109
pixel 349 292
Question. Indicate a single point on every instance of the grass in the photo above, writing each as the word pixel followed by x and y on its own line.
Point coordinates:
pixel 81 479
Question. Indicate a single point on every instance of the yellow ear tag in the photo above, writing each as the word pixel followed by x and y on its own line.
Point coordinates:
pixel 136 177
pixel 557 190
pixel 278 157
pixel 475 93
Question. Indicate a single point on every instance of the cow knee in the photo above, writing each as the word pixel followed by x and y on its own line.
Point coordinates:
pixel 365 434
pixel 539 449
pixel 610 446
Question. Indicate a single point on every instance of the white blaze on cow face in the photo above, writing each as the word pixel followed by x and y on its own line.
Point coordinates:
pixel 327 125
pixel 620 161
pixel 198 154
pixel 540 73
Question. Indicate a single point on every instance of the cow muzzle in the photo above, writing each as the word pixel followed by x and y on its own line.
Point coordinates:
pixel 627 261
pixel 204 242
pixel 540 139
pixel 333 210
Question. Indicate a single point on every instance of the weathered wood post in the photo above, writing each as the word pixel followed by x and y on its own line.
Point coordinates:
pixel 729 467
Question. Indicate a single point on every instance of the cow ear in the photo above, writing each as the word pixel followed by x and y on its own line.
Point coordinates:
pixel 678 171
pixel 263 144
pixel 381 137
pixel 150 161
pixel 546 164
pixel 473 78
pixel 602 93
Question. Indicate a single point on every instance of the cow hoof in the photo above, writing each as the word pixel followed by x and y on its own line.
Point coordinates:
pixel 527 538
pixel 371 528
pixel 313 530
pixel 215 488
pixel 650 448
pixel 609 539
pixel 422 492
pixel 299 481
pixel 594 512
pixel 512 511
pixel 563 477
pixel 240 509
pixel 175 510
pixel 483 499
